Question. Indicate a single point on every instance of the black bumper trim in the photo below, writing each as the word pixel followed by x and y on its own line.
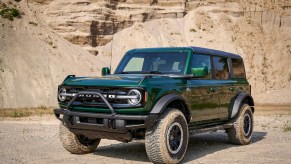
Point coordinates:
pixel 111 124
pixel 107 116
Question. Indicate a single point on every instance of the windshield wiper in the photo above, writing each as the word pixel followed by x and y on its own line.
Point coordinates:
pixel 150 72
pixel 155 72
pixel 124 72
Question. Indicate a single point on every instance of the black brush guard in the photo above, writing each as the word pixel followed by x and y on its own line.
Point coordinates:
pixel 96 125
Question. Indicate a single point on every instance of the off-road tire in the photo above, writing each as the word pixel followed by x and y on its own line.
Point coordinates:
pixel 156 138
pixel 241 132
pixel 74 144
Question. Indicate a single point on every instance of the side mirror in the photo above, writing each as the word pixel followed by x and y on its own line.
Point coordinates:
pixel 199 71
pixel 105 71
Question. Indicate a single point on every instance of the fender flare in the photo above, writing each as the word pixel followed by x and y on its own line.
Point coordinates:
pixel 163 102
pixel 238 101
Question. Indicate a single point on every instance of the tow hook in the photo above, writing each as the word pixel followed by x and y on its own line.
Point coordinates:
pixel 112 124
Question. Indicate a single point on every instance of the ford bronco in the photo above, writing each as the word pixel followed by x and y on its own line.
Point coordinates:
pixel 161 96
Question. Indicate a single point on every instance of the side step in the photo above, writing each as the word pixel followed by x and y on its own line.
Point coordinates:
pixel 210 129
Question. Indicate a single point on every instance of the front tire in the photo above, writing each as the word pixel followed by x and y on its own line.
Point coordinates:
pixel 77 144
pixel 241 132
pixel 167 141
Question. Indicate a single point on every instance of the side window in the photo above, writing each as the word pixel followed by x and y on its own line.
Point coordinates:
pixel 201 66
pixel 238 68
pixel 221 68
pixel 135 64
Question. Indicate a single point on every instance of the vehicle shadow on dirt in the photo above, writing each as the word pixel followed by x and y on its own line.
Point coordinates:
pixel 199 146
pixel 205 144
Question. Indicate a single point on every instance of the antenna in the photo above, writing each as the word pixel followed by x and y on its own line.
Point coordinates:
pixel 111 51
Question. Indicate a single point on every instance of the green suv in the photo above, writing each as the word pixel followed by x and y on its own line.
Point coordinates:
pixel 161 96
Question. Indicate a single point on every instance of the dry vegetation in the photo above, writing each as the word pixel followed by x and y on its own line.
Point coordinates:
pixel 25 112
pixel 287 126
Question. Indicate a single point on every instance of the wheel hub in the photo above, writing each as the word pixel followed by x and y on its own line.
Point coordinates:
pixel 175 138
pixel 247 124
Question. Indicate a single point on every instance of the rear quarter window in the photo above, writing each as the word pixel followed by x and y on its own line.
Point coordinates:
pixel 221 68
pixel 238 69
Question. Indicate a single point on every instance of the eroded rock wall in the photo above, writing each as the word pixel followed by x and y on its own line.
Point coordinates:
pixel 34 60
pixel 91 23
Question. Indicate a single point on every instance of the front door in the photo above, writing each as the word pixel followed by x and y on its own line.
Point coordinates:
pixel 204 100
pixel 202 90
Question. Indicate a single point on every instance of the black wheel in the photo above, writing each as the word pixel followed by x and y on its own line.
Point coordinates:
pixel 167 141
pixel 242 131
pixel 77 144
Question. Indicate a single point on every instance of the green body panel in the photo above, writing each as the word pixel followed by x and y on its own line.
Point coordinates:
pixel 208 100
pixel 105 81
pixel 156 86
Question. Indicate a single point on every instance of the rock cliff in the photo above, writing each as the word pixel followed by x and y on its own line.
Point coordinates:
pixel 92 23
pixel 258 30
pixel 34 61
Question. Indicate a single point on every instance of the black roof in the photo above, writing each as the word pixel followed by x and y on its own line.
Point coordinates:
pixel 214 52
pixel 199 50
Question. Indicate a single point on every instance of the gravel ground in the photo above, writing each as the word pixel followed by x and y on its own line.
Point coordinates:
pixel 36 140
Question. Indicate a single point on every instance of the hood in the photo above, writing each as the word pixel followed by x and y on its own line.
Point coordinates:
pixel 109 80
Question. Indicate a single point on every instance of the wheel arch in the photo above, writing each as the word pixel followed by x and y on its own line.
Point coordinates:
pixel 241 97
pixel 172 101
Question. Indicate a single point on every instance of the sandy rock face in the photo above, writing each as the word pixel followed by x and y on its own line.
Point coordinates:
pixel 34 60
pixel 259 33
pixel 264 35
pixel 92 23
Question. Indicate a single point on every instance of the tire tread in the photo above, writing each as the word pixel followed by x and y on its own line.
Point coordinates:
pixel 157 151
pixel 71 142
pixel 235 133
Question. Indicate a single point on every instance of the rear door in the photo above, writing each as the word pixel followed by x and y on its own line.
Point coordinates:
pixel 231 87
pixel 227 88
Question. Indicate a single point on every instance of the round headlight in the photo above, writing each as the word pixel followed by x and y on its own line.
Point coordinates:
pixel 62 93
pixel 136 94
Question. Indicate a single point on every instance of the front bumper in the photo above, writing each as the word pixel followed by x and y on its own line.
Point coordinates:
pixel 94 125
pixel 97 125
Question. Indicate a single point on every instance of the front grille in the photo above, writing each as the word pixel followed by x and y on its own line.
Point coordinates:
pixel 94 101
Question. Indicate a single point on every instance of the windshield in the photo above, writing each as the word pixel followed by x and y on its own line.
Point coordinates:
pixel 153 63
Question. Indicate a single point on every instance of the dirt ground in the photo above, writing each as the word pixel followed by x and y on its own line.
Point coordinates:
pixel 36 140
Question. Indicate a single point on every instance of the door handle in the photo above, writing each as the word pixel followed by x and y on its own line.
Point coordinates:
pixel 212 89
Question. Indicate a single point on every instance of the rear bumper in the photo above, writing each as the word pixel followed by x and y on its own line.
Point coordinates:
pixel 110 126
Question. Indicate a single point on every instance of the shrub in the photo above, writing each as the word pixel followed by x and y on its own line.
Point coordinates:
pixel 33 23
pixel 192 30
pixel 9 13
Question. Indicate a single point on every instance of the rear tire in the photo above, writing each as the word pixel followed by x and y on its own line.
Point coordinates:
pixel 241 132
pixel 77 144
pixel 167 141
